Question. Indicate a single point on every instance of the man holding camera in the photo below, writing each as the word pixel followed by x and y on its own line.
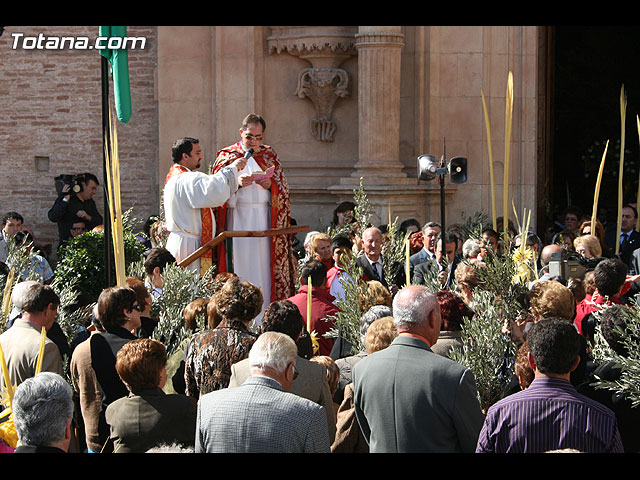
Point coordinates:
pixel 71 207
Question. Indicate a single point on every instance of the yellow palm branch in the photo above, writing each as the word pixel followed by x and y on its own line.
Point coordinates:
pixel 507 147
pixel 113 196
pixel 596 194
pixel 623 114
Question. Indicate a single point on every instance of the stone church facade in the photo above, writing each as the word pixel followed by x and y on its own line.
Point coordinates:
pixel 341 103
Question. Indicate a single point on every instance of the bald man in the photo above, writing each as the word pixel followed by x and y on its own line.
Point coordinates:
pixel 545 258
pixel 371 261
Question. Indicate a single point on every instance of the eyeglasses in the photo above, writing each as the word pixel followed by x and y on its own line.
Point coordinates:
pixel 137 307
pixel 248 136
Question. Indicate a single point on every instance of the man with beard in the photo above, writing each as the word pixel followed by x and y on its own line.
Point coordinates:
pixel 189 196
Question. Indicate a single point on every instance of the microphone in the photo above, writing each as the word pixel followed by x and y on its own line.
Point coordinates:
pixel 247 156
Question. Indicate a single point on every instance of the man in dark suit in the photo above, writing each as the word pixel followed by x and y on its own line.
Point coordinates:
pixel 372 265
pixel 430 232
pixel 409 399
pixel 445 262
pixel 629 237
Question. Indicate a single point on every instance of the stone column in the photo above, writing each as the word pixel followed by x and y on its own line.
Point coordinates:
pixel 379 54
pixel 389 190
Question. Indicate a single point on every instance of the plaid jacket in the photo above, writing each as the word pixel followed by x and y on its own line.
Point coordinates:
pixel 260 417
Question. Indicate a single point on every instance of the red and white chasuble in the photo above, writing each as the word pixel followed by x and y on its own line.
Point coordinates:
pixel 255 208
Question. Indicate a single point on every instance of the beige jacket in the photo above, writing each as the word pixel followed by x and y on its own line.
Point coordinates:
pixel 20 346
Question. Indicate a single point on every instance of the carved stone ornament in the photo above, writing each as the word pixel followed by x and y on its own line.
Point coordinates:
pixel 323 86
pixel 326 48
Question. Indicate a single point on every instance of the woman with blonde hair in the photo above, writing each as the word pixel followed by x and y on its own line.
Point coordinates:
pixel 376 294
pixel 467 279
pixel 585 229
pixel 588 246
pixel 551 299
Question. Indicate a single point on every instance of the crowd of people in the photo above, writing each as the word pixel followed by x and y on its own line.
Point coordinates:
pixel 265 374
pixel 241 385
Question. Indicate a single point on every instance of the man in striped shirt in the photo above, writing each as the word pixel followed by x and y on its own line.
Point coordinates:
pixel 550 414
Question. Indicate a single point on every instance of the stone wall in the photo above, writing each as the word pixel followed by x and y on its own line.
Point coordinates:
pixel 398 92
pixel 202 80
pixel 51 124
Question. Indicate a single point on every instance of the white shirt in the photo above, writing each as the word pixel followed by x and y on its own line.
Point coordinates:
pixel 376 266
pixel 250 209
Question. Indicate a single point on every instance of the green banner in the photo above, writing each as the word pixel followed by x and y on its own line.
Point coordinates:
pixel 119 60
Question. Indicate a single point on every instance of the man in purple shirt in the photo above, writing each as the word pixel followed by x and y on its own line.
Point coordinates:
pixel 550 414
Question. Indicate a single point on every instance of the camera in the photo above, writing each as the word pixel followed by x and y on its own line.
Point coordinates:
pixel 74 182
pixel 571 265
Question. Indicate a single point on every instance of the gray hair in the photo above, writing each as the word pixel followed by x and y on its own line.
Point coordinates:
pixel 19 292
pixel 431 225
pixel 371 229
pixel 471 248
pixel 371 315
pixel 171 448
pixel 412 306
pixel 310 235
pixel 42 406
pixel 274 351
pixel 17 297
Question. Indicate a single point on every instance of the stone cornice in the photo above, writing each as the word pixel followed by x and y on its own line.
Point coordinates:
pixel 303 41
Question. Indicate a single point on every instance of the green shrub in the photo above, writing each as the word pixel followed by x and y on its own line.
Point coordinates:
pixel 82 261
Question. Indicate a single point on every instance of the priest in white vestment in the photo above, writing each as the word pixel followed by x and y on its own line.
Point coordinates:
pixel 189 196
pixel 262 203
pixel 250 209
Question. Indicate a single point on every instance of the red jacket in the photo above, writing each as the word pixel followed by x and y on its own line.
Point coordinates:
pixel 331 274
pixel 322 308
pixel 588 305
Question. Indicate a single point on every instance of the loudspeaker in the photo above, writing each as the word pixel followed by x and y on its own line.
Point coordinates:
pixel 458 169
pixel 427 167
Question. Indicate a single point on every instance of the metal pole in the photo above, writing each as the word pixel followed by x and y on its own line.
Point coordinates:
pixel 443 160
pixel 442 203
pixel 108 245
